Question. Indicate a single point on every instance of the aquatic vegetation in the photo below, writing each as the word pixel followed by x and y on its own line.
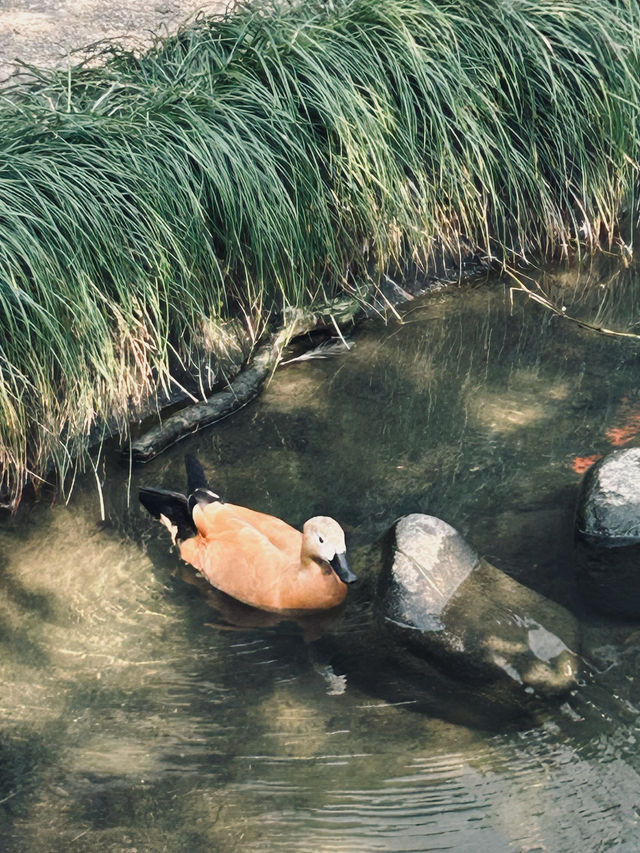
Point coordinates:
pixel 280 156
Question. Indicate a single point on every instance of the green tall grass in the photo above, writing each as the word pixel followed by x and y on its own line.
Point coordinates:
pixel 278 156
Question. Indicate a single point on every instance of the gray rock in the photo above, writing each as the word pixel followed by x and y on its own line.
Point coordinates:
pixel 438 600
pixel 609 502
pixel 608 533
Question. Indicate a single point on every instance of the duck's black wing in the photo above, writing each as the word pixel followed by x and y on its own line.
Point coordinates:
pixel 173 506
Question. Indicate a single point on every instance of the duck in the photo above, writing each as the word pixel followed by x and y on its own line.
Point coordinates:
pixel 253 557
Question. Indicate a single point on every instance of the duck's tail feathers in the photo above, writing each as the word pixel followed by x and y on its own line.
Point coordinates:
pixel 172 509
pixel 197 485
pixel 196 478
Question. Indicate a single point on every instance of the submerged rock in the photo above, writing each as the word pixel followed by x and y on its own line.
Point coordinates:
pixel 608 533
pixel 438 600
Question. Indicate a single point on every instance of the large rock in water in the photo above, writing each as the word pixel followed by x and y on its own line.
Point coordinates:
pixel 608 533
pixel 438 600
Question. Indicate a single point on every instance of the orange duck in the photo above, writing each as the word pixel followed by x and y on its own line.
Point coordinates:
pixel 254 557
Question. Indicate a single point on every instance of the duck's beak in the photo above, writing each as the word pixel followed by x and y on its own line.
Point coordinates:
pixel 341 568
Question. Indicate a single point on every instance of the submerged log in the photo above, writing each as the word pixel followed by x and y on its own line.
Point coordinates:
pixel 187 421
pixel 244 388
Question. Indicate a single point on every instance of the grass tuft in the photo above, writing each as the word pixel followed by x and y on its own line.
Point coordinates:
pixel 275 157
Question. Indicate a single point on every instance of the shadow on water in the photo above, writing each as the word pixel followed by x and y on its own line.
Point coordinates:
pixel 22 759
pixel 16 640
pixel 142 709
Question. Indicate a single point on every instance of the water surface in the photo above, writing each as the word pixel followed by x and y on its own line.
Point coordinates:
pixel 136 712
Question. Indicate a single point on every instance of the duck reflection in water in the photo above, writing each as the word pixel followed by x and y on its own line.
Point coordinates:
pixel 229 614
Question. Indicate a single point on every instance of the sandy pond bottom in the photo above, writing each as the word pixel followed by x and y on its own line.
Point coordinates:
pixel 138 713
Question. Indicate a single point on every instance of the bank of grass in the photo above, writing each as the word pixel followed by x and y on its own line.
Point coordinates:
pixel 279 156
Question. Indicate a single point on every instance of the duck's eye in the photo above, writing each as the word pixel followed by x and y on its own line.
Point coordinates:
pixel 321 540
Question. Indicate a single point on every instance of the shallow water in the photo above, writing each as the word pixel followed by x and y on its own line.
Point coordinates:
pixel 139 712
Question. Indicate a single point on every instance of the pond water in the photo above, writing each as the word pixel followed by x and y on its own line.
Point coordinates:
pixel 137 712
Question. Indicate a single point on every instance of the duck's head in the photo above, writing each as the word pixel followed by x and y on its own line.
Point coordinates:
pixel 323 541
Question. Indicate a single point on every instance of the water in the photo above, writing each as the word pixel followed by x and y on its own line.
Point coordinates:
pixel 140 712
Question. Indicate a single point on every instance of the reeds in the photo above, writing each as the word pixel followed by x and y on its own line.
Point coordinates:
pixel 277 156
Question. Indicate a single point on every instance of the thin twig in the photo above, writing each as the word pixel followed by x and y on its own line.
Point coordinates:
pixel 540 297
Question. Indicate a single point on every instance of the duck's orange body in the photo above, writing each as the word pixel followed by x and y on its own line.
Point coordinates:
pixel 254 557
pixel 258 559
